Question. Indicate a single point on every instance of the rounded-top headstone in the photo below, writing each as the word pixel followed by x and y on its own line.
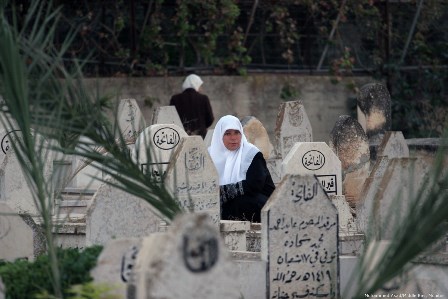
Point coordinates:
pixel 374 110
pixel 130 118
pixel 257 135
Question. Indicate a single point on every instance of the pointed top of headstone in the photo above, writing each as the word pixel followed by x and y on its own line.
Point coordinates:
pixel 257 135
pixel 166 115
pixel 374 110
pixel 292 126
pixel 315 158
pixel 393 145
pixel 192 178
pixel 300 240
pixel 130 118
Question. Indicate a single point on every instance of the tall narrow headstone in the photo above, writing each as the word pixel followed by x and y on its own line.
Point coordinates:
pixel 365 206
pixel 20 237
pixel 208 138
pixel 114 213
pixel 393 145
pixel 154 147
pixel 374 110
pixel 189 261
pixel 257 135
pixel 292 126
pixel 130 119
pixel 300 240
pixel 192 178
pixel 350 143
pixel 315 158
pixel 166 115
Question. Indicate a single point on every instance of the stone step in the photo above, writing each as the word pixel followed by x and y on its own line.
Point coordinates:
pixel 75 200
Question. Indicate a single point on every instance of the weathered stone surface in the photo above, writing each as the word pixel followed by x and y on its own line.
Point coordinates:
pixel 14 189
pixel 274 167
pixel 257 135
pixel 374 110
pixel 115 265
pixel 192 178
pixel 114 213
pixel 159 141
pixel 350 143
pixel 130 119
pixel 234 234
pixel 189 261
pixel 300 240
pixel 20 237
pixel 315 158
pixel 393 145
pixel 292 126
pixel 346 220
pixel 166 115
pixel 208 138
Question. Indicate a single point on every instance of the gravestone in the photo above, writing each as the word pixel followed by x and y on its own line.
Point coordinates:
pixel 274 167
pixel 130 119
pixel 347 222
pixel 114 213
pixel 6 137
pixel 292 126
pixel 257 135
pixel 154 147
pixel 192 178
pixel 393 145
pixel 115 264
pixel 14 189
pixel 234 234
pixel 20 237
pixel 350 143
pixel 364 207
pixel 397 191
pixel 166 115
pixel 208 138
pixel 315 158
pixel 189 261
pixel 300 240
pixel 374 110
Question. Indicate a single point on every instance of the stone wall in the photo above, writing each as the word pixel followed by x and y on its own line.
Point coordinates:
pixel 256 95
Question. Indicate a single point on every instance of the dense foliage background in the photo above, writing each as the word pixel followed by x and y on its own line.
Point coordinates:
pixel 403 43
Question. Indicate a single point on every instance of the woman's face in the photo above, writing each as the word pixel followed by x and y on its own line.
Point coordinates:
pixel 232 139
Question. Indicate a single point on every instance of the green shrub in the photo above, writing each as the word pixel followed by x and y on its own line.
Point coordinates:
pixel 24 279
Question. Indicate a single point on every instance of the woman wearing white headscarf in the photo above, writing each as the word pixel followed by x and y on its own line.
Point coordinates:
pixel 244 180
pixel 194 108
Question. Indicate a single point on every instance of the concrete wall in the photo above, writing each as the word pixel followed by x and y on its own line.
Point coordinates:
pixel 255 95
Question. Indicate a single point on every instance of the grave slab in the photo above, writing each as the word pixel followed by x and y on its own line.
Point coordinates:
pixel 256 134
pixel 166 115
pixel 130 119
pixel 300 240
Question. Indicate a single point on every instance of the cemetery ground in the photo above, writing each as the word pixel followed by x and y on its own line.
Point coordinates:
pixel 363 215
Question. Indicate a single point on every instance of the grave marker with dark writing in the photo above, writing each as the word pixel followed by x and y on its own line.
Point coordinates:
pixel 166 115
pixel 315 158
pixel 300 240
pixel 192 178
pixel 159 141
pixel 189 261
pixel 292 126
pixel 130 119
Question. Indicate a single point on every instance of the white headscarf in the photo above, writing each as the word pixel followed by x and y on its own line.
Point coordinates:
pixel 192 81
pixel 231 165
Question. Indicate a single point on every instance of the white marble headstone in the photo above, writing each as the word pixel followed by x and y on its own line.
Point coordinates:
pixel 300 240
pixel 192 178
pixel 130 118
pixel 315 158
pixel 166 115
pixel 292 126
pixel 189 261
pixel 154 147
